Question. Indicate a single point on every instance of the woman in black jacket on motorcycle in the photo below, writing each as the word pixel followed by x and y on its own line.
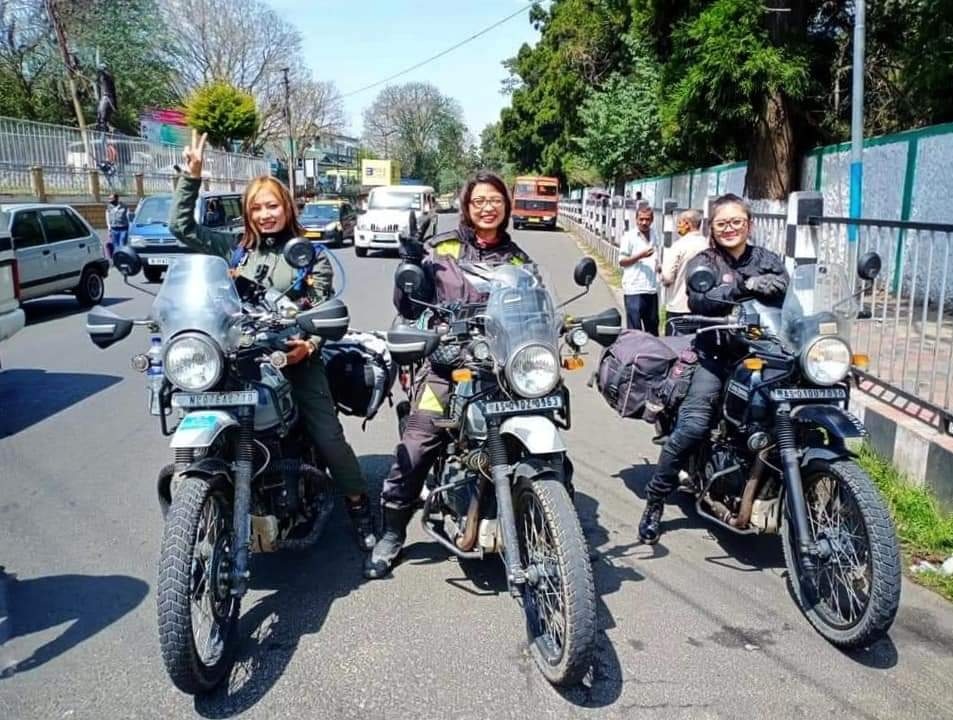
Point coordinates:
pixel 270 221
pixel 744 271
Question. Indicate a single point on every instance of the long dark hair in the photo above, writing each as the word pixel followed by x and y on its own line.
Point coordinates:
pixel 484 176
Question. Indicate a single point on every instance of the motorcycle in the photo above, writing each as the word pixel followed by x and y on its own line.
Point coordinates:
pixel 244 477
pixel 779 459
pixel 503 482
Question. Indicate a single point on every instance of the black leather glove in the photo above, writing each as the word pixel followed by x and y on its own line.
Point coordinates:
pixel 765 284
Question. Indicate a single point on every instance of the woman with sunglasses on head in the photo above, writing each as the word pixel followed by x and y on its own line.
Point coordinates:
pixel 743 271
pixel 481 236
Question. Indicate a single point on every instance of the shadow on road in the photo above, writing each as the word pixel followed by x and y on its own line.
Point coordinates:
pixel 30 396
pixel 89 603
pixel 54 308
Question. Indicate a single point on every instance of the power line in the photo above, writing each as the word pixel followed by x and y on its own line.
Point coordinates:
pixel 484 31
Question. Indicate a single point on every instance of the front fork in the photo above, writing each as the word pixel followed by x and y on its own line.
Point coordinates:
pixel 500 474
pixel 808 549
pixel 241 517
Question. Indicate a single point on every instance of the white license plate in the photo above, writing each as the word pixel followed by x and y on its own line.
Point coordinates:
pixel 510 407
pixel 236 398
pixel 158 260
pixel 535 220
pixel 782 394
pixel 384 238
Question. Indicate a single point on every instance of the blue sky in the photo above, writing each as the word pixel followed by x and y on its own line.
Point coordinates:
pixel 355 44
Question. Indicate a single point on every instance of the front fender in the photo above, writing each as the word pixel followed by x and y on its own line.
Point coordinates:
pixel 200 429
pixel 538 434
pixel 839 423
pixel 212 469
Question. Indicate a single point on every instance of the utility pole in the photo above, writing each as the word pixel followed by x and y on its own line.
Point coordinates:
pixel 857 119
pixel 291 140
pixel 71 72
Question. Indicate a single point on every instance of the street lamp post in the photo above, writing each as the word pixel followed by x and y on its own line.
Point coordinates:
pixel 857 119
pixel 291 141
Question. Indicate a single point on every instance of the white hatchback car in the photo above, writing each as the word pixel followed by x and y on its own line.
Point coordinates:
pixel 11 315
pixel 56 252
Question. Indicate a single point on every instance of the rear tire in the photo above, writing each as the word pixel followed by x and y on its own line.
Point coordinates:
pixel 561 606
pixel 863 531
pixel 152 274
pixel 192 562
pixel 91 288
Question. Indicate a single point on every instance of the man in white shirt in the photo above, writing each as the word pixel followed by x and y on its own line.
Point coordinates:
pixel 638 259
pixel 673 275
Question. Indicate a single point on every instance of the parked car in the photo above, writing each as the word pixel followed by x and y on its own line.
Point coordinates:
pixel 149 233
pixel 388 214
pixel 12 318
pixel 57 251
pixel 329 221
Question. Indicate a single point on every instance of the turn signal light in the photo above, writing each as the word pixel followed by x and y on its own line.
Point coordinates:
pixel 573 363
pixel 861 361
pixel 462 375
pixel 753 364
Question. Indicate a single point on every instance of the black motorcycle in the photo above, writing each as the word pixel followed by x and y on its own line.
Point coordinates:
pixel 244 477
pixel 779 458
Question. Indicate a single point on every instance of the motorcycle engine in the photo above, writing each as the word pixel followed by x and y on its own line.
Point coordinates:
pixel 727 484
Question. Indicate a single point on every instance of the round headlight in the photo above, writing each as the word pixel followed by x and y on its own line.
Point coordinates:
pixel 826 361
pixel 579 337
pixel 533 371
pixel 193 363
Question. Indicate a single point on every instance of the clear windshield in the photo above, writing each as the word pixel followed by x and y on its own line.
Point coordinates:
pixel 519 311
pixel 321 213
pixel 153 210
pixel 818 302
pixel 394 200
pixel 199 295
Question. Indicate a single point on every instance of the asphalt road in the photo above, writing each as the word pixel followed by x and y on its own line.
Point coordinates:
pixel 700 626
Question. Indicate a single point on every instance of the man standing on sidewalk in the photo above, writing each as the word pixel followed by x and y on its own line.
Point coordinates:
pixel 117 222
pixel 689 244
pixel 638 259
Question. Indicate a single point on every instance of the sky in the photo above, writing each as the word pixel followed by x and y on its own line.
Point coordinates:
pixel 355 44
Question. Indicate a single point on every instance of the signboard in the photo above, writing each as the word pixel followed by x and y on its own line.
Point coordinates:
pixel 165 126
pixel 379 172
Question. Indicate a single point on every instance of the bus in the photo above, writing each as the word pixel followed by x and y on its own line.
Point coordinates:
pixel 535 201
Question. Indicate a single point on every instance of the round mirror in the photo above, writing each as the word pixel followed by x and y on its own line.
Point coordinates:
pixel 299 253
pixel 410 278
pixel 702 279
pixel 127 262
pixel 868 266
pixel 585 272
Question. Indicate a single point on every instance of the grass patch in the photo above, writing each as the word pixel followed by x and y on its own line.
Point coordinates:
pixel 926 532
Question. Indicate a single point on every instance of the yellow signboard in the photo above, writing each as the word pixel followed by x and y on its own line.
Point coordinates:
pixel 380 172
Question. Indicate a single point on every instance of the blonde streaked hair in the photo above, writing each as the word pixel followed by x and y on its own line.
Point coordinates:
pixel 266 182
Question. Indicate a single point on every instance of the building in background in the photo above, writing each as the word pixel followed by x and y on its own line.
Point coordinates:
pixel 330 163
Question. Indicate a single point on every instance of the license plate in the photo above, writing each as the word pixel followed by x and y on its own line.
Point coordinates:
pixel 782 394
pixel 314 234
pixel 384 238
pixel 534 220
pixel 158 260
pixel 236 398
pixel 512 407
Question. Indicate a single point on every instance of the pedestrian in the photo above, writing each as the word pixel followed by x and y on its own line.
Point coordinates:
pixel 117 223
pixel 637 258
pixel 690 242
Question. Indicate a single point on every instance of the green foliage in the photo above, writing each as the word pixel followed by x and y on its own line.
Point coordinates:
pixel 224 112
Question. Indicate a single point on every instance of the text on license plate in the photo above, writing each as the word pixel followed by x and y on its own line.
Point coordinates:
pixel 158 260
pixel 534 219
pixel 313 234
pixel 782 394
pixel 215 399
pixel 385 238
pixel 508 407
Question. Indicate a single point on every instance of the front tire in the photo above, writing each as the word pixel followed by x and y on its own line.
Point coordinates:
pixel 194 589
pixel 854 598
pixel 559 596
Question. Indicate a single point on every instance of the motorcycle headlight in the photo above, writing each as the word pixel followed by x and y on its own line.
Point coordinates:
pixel 137 241
pixel 826 361
pixel 193 362
pixel 533 371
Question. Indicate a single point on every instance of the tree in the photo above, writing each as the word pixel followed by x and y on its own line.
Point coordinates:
pixel 223 111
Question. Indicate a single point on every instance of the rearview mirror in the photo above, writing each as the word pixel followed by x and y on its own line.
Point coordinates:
pixel 330 320
pixel 408 344
pixel 299 253
pixel 411 279
pixel 604 328
pixel 702 279
pixel 868 266
pixel 585 272
pixel 127 262
pixel 105 327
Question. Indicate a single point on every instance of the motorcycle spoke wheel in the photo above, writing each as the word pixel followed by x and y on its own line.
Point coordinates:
pixel 559 595
pixel 852 598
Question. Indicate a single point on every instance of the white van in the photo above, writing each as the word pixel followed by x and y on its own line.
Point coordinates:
pixel 388 214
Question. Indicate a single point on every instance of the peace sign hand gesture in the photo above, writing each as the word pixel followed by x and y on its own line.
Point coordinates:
pixel 193 154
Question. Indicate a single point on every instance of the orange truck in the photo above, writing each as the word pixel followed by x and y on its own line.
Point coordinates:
pixel 535 201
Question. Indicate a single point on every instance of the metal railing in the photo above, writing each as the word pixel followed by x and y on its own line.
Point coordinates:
pixel 905 325
pixel 67 160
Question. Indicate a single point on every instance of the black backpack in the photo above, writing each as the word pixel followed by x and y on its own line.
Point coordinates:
pixel 636 366
pixel 360 372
